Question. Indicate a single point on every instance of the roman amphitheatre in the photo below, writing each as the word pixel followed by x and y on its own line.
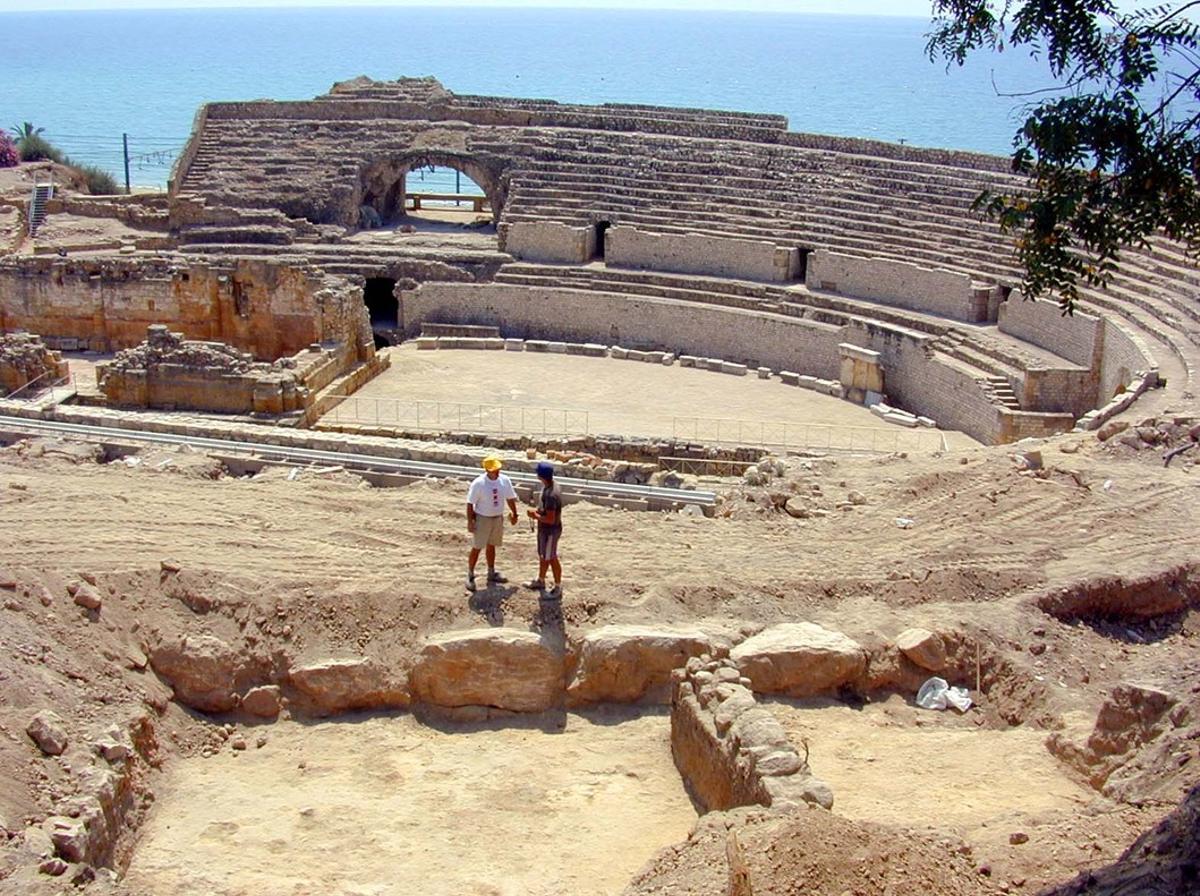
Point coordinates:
pixel 817 450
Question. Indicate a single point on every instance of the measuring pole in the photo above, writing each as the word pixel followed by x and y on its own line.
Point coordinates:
pixel 125 144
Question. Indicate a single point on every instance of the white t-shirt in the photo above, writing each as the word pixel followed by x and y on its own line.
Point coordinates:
pixel 489 496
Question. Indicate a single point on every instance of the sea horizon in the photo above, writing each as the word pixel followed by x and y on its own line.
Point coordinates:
pixel 146 72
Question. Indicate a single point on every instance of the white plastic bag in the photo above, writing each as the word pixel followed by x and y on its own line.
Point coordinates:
pixel 936 693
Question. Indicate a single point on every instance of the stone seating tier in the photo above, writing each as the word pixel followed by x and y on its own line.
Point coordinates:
pixel 979 354
pixel 597 163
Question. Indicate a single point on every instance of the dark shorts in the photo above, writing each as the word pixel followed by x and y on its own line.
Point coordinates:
pixel 548 543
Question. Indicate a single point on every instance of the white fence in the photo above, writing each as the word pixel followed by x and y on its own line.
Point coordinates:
pixel 417 415
pixel 805 436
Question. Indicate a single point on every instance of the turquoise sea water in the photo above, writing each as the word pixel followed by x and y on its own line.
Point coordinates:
pixel 89 77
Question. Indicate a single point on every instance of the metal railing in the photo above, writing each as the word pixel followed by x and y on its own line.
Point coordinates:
pixel 37 384
pixel 419 415
pixel 805 436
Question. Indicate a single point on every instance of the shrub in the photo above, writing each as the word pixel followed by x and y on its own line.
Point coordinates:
pixel 9 156
pixel 99 181
pixel 36 148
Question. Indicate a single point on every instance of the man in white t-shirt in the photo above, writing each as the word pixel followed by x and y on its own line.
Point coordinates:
pixel 486 499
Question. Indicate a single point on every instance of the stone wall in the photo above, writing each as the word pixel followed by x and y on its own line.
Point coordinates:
pixel 907 285
pixel 1077 337
pixel 731 751
pixel 1126 359
pixel 936 387
pixel 546 241
pixel 139 210
pixel 266 309
pixel 757 339
pixel 694 253
pixel 1065 391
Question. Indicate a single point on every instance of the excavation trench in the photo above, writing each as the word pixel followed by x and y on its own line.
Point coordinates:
pixel 388 805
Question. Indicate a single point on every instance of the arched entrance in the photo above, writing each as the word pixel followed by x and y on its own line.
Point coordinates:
pixel 392 189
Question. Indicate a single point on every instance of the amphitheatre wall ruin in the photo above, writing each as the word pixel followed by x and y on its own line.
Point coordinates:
pixel 689 231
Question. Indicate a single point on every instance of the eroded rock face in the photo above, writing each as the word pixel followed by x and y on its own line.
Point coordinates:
pixel 800 659
pixel 201 669
pixel 627 663
pixel 49 731
pixel 1129 716
pixel 339 685
pixel 503 668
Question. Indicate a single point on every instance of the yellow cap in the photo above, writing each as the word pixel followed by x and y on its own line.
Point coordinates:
pixel 491 462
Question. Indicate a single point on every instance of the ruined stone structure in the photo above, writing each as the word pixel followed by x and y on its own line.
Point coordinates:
pixel 701 233
pixel 24 359
pixel 167 371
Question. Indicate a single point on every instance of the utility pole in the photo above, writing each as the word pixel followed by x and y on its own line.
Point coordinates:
pixel 125 143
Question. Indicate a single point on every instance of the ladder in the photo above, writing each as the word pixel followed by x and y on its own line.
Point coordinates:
pixel 42 193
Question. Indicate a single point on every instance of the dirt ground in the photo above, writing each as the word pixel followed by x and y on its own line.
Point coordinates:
pixel 576 394
pixel 519 809
pixel 310 566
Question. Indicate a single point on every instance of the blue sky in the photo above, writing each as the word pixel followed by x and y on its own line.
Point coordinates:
pixel 918 8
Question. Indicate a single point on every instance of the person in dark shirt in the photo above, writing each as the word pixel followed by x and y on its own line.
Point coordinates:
pixel 548 514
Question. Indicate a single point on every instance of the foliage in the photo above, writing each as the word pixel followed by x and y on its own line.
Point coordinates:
pixel 99 181
pixel 9 157
pixel 37 148
pixel 1112 152
pixel 25 129
pixel 33 147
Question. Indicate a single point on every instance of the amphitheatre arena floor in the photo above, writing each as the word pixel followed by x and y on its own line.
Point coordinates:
pixel 622 397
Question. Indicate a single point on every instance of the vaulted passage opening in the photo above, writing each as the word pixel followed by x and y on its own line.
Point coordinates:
pixel 601 232
pixel 383 308
pixel 430 191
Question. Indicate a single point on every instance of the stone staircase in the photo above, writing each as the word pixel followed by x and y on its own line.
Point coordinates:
pixel 42 193
pixel 999 391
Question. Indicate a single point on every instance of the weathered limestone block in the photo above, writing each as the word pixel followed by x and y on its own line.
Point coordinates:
pixel 49 731
pixel 800 659
pixel 923 647
pixel 548 241
pixel 502 668
pixel 201 669
pixel 332 686
pixel 860 371
pixel 263 701
pixel 626 663
pixel 70 837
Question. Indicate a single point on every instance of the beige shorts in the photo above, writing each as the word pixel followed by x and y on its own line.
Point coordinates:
pixel 489 530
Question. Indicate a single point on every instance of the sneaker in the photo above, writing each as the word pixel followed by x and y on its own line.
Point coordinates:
pixel 536 585
pixel 555 593
pixel 495 578
pixel 470 583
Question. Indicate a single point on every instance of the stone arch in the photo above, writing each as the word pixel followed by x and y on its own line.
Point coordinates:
pixel 382 185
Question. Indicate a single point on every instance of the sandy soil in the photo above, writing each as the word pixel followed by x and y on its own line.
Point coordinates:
pixel 897 764
pixel 390 806
pixel 604 395
pixel 317 566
